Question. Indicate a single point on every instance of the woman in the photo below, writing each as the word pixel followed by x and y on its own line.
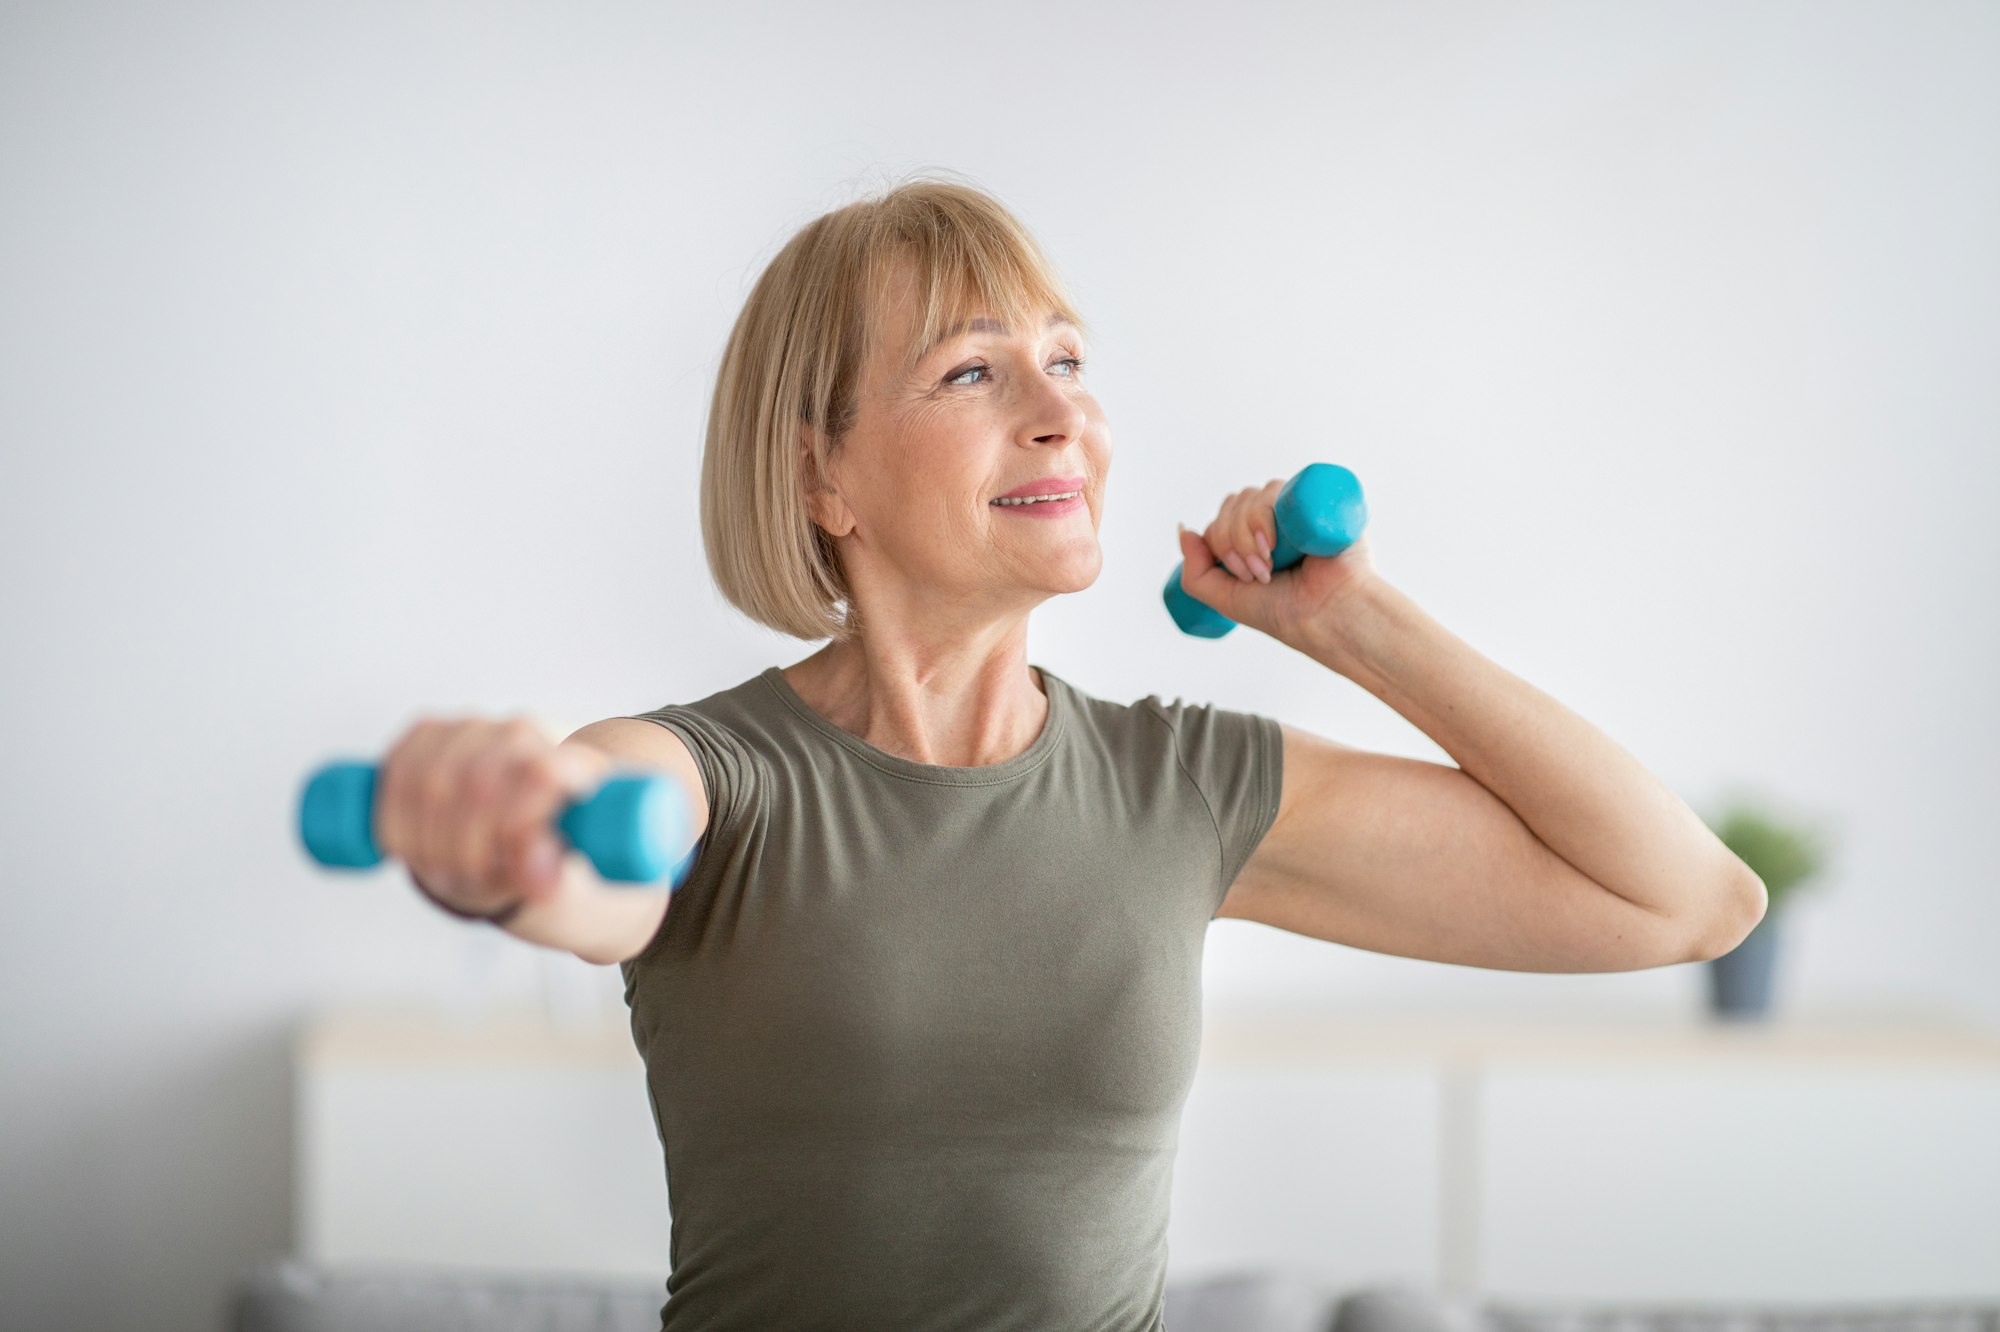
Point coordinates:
pixel 920 1020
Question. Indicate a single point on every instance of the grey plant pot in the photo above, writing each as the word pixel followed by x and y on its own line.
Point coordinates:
pixel 1739 982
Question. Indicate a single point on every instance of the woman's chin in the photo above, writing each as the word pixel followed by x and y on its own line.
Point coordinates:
pixel 1070 569
pixel 1077 574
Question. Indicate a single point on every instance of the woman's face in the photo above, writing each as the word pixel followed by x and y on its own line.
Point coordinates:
pixel 984 412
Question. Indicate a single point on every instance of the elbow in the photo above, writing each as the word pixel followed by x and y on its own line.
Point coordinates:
pixel 1727 925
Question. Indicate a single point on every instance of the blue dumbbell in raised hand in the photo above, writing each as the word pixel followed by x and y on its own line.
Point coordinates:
pixel 1319 512
pixel 628 827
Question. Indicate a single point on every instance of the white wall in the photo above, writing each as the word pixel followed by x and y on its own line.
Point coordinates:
pixel 353 367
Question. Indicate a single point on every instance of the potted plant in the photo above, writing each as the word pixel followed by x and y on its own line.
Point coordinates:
pixel 1785 853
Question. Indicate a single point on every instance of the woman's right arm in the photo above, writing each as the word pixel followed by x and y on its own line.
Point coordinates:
pixel 601 923
pixel 465 804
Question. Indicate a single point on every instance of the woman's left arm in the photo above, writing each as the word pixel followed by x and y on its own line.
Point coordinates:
pixel 1549 847
pixel 1588 800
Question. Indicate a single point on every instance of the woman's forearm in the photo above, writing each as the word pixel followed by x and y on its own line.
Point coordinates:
pixel 1589 801
pixel 598 922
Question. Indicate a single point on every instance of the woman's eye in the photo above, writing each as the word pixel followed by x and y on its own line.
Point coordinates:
pixel 1075 364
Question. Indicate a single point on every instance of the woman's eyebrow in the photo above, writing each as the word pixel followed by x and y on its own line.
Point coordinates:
pixel 982 324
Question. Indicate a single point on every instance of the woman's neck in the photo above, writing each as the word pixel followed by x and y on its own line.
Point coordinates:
pixel 966 708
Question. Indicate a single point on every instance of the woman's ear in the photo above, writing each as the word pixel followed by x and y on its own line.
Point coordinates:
pixel 823 502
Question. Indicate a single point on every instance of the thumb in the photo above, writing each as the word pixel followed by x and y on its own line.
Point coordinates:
pixel 1191 551
pixel 1198 568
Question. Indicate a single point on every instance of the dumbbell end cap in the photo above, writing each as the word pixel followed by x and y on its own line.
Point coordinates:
pixel 1194 617
pixel 629 827
pixel 336 816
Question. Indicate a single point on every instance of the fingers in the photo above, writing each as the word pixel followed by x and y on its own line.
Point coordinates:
pixel 512 789
pixel 461 837
pixel 1245 532
pixel 1264 522
pixel 1257 526
pixel 1196 558
pixel 398 794
pixel 470 807
pixel 1207 580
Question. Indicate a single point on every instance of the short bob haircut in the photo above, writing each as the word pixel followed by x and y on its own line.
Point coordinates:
pixel 786 392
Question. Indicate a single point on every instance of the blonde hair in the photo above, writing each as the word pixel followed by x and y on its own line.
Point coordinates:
pixel 792 369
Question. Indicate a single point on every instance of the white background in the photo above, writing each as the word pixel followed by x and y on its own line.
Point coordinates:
pixel 354 361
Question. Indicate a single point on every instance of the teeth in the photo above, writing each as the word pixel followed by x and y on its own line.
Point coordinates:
pixel 1037 499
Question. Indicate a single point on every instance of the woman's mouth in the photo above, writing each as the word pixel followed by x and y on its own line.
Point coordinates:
pixel 1043 506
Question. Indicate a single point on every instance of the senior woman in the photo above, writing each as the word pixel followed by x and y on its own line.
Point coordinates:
pixel 919 1022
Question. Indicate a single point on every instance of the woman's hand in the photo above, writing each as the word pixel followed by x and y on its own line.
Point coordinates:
pixel 468 806
pixel 1228 566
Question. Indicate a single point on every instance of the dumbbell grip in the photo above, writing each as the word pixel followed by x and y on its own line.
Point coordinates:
pixel 629 827
pixel 1321 511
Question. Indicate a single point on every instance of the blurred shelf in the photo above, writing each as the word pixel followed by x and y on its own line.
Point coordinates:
pixel 411 1036
pixel 1291 1038
pixel 1284 1037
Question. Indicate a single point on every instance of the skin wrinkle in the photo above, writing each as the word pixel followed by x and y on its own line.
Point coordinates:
pixel 944 580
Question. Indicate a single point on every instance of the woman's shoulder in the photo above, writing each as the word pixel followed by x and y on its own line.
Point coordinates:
pixel 1164 725
pixel 734 705
pixel 741 720
pixel 1136 727
pixel 1148 711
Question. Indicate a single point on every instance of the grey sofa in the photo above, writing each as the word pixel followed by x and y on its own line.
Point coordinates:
pixel 288 1296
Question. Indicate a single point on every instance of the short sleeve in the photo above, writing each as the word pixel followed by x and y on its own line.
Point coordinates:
pixel 1236 761
pixel 729 778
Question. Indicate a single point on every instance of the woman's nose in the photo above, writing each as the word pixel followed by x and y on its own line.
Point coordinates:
pixel 1056 417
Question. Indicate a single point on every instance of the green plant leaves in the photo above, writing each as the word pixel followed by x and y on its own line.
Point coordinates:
pixel 1781 852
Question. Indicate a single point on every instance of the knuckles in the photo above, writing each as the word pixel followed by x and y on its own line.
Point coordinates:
pixel 439 767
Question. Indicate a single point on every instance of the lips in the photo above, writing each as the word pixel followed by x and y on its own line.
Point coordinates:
pixel 1041 508
pixel 1048 485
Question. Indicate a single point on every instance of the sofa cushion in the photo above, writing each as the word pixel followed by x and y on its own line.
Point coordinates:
pixel 290 1296
pixel 1419 1309
pixel 1406 1308
pixel 1582 1316
pixel 1248 1302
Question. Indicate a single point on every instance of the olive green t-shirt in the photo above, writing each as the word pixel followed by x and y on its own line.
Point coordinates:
pixel 917 1037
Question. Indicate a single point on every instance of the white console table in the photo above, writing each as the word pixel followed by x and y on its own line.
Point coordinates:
pixel 1666 1159
pixel 1814 1160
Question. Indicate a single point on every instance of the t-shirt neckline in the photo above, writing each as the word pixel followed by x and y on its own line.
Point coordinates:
pixel 1056 690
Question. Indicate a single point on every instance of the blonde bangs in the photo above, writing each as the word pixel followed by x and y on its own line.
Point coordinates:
pixel 968 260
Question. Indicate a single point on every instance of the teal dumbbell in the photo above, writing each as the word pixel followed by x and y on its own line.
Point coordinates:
pixel 1319 512
pixel 628 827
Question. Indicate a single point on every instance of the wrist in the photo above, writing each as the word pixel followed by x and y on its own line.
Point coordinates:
pixel 1340 638
pixel 500 917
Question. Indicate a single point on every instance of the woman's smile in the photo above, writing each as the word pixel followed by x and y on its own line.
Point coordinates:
pixel 1042 508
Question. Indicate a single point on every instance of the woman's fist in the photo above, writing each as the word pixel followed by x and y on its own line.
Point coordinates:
pixel 469 806
pixel 1227 565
